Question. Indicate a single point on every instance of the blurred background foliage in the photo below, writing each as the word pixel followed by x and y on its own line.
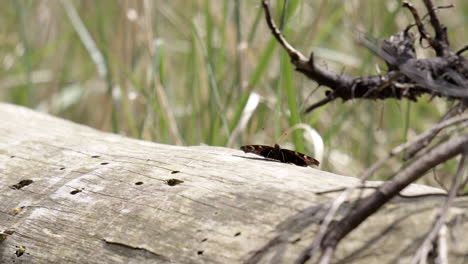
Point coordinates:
pixel 208 72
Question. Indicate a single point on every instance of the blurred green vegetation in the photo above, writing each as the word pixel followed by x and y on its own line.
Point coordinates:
pixel 182 72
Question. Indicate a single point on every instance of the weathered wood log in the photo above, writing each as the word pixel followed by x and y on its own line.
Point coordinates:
pixel 72 194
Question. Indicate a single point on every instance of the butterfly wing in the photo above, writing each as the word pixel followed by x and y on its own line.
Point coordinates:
pixel 298 158
pixel 257 149
pixel 283 155
pixel 264 151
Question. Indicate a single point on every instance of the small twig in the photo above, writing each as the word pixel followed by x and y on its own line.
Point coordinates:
pixel 375 188
pixel 418 139
pixel 343 189
pixel 422 144
pixel 437 8
pixel 441 184
pixel 302 63
pixel 426 15
pixel 324 101
pixel 462 50
pixel 292 52
pixel 441 43
pixel 421 253
pixel 384 85
pixel 310 95
pixel 422 30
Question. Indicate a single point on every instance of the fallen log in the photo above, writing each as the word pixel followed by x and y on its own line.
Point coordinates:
pixel 72 194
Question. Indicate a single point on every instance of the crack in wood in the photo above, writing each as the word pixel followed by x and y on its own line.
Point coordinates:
pixel 127 246
pixel 145 160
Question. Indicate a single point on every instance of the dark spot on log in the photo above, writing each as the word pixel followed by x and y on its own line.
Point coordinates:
pixel 104 163
pixel 138 183
pixel 237 234
pixel 296 240
pixel 75 191
pixel 5 233
pixel 200 252
pixel 215 213
pixel 205 239
pixel 173 182
pixel 9 231
pixel 174 172
pixel 12 156
pixel 21 184
pixel 95 156
pixel 62 168
pixel 20 251
pixel 16 211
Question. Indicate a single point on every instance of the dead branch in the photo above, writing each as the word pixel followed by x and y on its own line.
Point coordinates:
pixel 445 75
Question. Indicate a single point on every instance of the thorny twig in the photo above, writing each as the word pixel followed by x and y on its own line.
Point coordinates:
pixel 439 76
pixel 342 86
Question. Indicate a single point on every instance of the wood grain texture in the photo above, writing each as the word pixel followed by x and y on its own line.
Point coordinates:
pixel 102 198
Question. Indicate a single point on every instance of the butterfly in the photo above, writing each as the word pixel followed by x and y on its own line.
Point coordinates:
pixel 282 155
